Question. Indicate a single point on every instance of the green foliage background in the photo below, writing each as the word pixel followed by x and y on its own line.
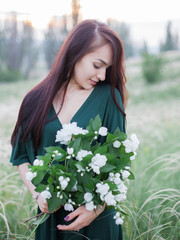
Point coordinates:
pixel 153 114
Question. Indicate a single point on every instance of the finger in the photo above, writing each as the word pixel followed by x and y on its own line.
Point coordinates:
pixel 43 201
pixel 76 225
pixel 43 206
pixel 72 215
pixel 43 209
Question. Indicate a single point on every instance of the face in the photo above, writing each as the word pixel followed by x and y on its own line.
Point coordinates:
pixel 92 68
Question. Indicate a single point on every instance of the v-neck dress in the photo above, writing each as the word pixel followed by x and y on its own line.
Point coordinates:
pixel 100 102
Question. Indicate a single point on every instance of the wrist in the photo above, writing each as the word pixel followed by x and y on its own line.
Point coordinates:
pixel 35 196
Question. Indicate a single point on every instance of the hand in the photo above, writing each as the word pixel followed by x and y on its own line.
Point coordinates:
pixel 42 204
pixel 84 218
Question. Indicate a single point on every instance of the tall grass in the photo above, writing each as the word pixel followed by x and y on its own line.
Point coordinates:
pixel 15 205
pixel 153 203
pixel 154 197
pixel 154 200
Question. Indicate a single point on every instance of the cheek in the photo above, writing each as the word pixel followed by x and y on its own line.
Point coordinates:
pixel 79 75
pixel 89 71
pixel 77 71
pixel 83 71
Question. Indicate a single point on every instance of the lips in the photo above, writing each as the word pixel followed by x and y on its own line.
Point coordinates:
pixel 93 82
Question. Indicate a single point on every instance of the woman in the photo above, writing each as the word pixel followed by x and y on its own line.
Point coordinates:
pixel 87 78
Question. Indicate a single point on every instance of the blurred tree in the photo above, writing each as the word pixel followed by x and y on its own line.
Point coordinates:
pixel 2 49
pixel 171 41
pixel 28 50
pixel 17 44
pixel 75 11
pixel 54 38
pixel 12 42
pixel 144 49
pixel 123 30
pixel 152 67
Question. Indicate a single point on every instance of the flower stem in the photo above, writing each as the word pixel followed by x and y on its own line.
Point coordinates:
pixel 37 226
pixel 65 164
pixel 33 217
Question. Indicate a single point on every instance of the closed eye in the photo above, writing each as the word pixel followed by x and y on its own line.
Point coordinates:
pixel 97 67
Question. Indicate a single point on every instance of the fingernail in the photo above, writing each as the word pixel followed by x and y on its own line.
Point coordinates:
pixel 66 218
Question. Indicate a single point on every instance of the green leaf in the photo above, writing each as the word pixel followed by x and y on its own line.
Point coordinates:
pixel 40 188
pixel 121 135
pixel 52 149
pixel 40 176
pixel 80 167
pixel 113 151
pixel 85 179
pixel 76 144
pixel 89 184
pixel 101 150
pixel 116 192
pixel 122 162
pixel 80 198
pixel 89 126
pixel 119 209
pixel 60 158
pixel 111 158
pixel 87 159
pixel 71 184
pixel 89 187
pixel 50 180
pixel 85 144
pixel 51 188
pixel 107 168
pixel 96 123
pixel 71 164
pixel 45 158
pixel 111 185
pixel 131 176
pixel 57 167
pixel 117 131
pixel 95 147
pixel 88 135
pixel 65 195
pixel 97 179
pixel 42 219
pixel 80 188
pixel 110 137
pixel 54 203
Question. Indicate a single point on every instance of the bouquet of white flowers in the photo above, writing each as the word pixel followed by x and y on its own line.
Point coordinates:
pixel 87 172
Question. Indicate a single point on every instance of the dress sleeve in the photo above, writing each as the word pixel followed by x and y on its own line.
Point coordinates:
pixel 114 117
pixel 21 152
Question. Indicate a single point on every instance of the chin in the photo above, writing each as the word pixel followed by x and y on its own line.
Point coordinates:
pixel 88 87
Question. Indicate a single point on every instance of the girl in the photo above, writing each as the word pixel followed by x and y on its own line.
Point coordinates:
pixel 87 78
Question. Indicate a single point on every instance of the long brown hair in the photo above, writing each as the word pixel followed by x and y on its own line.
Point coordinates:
pixel 84 38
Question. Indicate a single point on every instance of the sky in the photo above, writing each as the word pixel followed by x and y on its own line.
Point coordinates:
pixel 147 18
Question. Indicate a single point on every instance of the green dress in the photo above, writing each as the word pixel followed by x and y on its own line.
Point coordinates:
pixel 99 102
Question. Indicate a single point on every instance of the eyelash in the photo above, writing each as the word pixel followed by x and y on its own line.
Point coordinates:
pixel 97 67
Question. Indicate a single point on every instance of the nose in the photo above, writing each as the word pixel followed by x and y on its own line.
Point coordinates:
pixel 101 74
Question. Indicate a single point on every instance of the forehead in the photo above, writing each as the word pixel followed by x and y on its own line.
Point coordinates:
pixel 104 53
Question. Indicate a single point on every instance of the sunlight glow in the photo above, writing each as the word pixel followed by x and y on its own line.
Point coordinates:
pixel 147 19
pixel 39 12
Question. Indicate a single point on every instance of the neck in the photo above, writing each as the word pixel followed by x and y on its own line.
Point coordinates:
pixel 72 86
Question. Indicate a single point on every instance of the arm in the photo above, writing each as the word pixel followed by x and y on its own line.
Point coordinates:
pixel 23 169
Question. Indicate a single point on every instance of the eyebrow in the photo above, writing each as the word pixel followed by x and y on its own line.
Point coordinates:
pixel 103 62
